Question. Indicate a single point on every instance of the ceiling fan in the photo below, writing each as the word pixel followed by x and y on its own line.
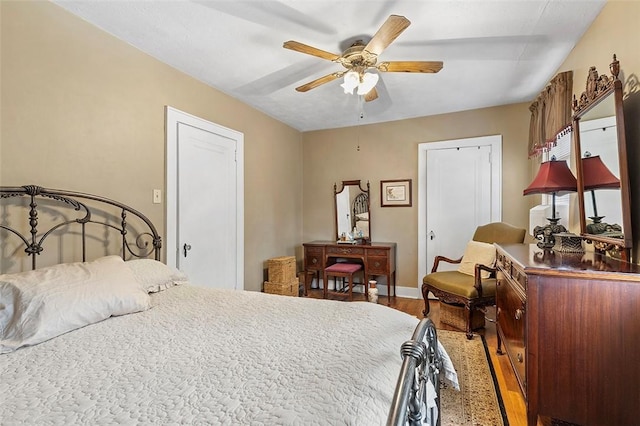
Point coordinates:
pixel 359 58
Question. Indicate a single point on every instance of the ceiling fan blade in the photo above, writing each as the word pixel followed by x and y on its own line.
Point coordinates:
pixel 372 95
pixel 319 81
pixel 389 31
pixel 303 48
pixel 410 66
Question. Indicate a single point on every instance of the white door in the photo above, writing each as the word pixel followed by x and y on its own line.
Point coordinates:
pixel 204 201
pixel 458 199
pixel 460 189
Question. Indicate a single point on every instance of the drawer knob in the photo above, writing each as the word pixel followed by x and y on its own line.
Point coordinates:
pixel 519 313
pixel 314 260
pixel 519 356
pixel 376 264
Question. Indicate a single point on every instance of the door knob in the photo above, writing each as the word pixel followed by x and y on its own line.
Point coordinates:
pixel 186 248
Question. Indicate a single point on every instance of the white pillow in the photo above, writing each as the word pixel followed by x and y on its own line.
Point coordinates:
pixel 39 305
pixel 155 276
pixel 477 252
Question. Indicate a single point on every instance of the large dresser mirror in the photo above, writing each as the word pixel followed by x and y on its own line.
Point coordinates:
pixel 353 215
pixel 601 163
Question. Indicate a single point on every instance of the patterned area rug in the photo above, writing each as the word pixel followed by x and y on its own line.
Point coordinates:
pixel 479 401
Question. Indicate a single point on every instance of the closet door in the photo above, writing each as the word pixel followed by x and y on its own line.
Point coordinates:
pixel 205 201
pixel 460 186
pixel 458 198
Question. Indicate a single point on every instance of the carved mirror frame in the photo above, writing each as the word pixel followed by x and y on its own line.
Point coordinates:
pixel 598 89
pixel 360 198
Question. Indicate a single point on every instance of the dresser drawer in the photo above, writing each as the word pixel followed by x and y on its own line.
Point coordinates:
pixel 377 265
pixel 503 262
pixel 345 251
pixel 313 250
pixel 511 316
pixel 377 252
pixel 511 270
pixel 313 258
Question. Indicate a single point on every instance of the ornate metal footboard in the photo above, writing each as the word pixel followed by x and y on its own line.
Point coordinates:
pixel 58 214
pixel 421 365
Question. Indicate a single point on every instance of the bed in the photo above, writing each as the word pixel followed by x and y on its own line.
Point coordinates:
pixel 125 339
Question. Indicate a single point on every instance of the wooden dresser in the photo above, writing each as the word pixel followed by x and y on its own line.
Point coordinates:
pixel 378 259
pixel 570 325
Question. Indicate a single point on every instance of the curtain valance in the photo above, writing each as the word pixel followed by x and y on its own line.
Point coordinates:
pixel 551 113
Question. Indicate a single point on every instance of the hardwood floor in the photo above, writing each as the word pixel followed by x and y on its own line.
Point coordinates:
pixel 509 388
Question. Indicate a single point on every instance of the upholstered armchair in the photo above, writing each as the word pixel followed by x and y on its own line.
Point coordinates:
pixel 473 284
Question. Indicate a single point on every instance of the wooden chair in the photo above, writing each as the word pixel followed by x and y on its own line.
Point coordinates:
pixel 462 289
pixel 347 271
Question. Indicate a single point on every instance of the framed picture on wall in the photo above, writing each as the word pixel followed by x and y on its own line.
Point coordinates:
pixel 395 193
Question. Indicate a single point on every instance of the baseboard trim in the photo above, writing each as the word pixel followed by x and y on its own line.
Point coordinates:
pixel 408 292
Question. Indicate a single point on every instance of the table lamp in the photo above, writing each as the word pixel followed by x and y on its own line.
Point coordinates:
pixel 554 177
pixel 597 176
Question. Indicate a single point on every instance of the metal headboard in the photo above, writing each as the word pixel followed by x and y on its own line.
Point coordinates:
pixel 135 245
pixel 421 363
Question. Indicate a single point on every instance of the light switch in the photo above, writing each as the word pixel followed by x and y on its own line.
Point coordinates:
pixel 157 196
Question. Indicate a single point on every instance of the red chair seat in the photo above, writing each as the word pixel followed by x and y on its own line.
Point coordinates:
pixel 344 270
pixel 348 268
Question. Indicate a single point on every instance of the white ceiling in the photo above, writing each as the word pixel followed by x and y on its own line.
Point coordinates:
pixel 494 52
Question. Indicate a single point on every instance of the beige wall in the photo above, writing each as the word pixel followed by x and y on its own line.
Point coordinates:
pixel 92 108
pixel 390 151
pixel 84 111
pixel 616 31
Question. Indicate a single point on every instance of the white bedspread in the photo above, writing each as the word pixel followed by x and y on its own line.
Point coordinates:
pixel 203 356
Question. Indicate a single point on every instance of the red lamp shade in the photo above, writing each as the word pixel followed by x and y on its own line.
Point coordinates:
pixel 597 175
pixel 553 177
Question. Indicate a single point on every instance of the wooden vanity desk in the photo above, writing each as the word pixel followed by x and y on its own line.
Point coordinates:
pixel 570 325
pixel 378 259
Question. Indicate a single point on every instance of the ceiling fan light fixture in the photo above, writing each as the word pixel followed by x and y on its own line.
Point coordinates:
pixel 351 82
pixel 360 57
pixel 369 81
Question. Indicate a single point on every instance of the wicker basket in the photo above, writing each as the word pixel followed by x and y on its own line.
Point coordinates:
pixel 455 315
pixel 282 269
pixel 287 289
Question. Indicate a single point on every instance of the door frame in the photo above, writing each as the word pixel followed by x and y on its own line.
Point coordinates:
pixel 172 118
pixel 495 141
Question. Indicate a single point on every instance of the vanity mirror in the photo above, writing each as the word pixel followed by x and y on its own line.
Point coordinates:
pixel 601 163
pixel 353 215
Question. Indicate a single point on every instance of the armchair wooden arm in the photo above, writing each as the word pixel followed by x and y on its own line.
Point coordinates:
pixel 437 260
pixel 478 276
